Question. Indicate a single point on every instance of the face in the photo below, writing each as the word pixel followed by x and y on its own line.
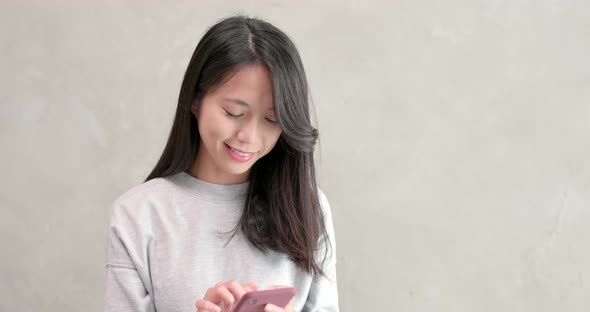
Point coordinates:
pixel 237 126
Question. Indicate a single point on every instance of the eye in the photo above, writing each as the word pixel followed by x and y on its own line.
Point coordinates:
pixel 271 121
pixel 228 114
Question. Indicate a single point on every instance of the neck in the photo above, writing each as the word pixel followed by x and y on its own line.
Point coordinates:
pixel 213 174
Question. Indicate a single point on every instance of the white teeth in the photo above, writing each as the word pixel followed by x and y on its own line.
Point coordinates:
pixel 240 153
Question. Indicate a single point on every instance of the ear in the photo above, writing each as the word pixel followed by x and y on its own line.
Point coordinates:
pixel 195 108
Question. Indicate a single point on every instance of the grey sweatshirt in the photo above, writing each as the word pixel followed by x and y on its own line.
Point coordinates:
pixel 165 248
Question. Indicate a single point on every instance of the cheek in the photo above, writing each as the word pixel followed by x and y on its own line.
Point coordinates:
pixel 271 140
pixel 213 129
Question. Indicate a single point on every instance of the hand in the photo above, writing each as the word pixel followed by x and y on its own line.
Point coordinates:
pixel 273 308
pixel 223 295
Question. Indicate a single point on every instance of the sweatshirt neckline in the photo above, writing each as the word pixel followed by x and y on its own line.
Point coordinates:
pixel 211 191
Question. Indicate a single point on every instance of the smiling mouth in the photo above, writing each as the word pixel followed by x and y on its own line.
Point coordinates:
pixel 240 152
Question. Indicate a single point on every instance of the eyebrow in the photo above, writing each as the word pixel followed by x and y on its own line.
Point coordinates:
pixel 240 102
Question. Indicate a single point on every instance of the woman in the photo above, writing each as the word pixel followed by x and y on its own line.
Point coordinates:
pixel 232 205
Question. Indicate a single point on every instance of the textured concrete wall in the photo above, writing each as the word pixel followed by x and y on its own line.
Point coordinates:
pixel 455 143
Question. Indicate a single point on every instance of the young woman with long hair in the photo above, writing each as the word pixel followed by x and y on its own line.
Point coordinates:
pixel 232 205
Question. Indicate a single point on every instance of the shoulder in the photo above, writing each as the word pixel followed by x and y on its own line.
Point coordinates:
pixel 140 198
pixel 324 203
pixel 143 191
pixel 328 219
pixel 322 196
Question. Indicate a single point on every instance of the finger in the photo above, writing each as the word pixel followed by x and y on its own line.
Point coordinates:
pixel 252 286
pixel 236 289
pixel 207 306
pixel 272 308
pixel 220 294
pixel 220 283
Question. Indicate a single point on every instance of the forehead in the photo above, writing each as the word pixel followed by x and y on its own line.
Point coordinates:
pixel 251 84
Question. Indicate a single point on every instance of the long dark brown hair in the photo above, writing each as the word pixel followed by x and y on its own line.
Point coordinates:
pixel 282 211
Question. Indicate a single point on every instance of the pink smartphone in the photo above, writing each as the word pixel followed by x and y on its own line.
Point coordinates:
pixel 255 301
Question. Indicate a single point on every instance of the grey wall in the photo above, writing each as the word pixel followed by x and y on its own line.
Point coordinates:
pixel 455 143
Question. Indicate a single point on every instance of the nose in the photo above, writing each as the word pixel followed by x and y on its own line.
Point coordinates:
pixel 247 131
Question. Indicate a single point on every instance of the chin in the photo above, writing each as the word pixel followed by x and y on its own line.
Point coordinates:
pixel 240 170
pixel 237 168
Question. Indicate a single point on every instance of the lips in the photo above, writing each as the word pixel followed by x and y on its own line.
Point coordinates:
pixel 237 154
pixel 239 150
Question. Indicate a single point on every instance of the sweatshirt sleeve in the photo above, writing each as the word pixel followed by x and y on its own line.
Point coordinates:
pixel 128 285
pixel 323 293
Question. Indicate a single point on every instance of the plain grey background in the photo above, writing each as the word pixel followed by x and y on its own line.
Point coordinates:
pixel 455 143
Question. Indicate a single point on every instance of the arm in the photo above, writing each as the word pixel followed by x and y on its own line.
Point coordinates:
pixel 323 294
pixel 127 277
